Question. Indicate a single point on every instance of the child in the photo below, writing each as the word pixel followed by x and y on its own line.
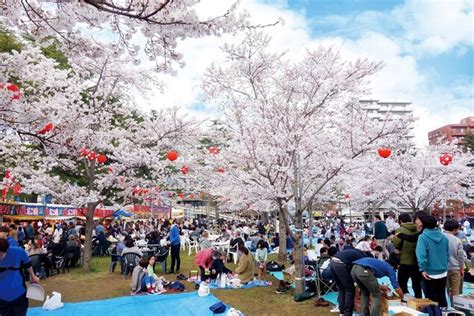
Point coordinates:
pixel 261 256
pixel 158 282
pixel 141 281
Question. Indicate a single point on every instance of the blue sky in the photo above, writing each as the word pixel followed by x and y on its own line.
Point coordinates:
pixel 425 45
pixel 342 18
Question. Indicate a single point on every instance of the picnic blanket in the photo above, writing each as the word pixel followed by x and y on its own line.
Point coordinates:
pixel 183 304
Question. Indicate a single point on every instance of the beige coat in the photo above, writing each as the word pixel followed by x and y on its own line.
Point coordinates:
pixel 246 268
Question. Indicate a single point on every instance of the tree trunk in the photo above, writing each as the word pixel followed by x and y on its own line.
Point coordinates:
pixel 264 217
pixel 88 242
pixel 311 224
pixel 216 213
pixel 282 234
pixel 90 170
pixel 298 254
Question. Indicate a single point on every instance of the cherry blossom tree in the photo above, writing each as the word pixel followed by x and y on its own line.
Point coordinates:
pixel 152 27
pixel 417 179
pixel 65 119
pixel 295 125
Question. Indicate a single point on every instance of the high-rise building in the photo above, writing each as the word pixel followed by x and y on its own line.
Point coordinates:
pixel 452 133
pixel 385 110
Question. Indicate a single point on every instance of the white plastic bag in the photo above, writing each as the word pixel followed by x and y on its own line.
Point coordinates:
pixel 204 289
pixel 223 280
pixel 35 292
pixel 234 312
pixel 53 302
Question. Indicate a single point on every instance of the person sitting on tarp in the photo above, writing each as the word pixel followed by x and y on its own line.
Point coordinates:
pixel 141 281
pixel 218 266
pixel 365 273
pixel 245 269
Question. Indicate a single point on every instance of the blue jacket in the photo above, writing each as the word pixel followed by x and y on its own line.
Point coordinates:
pixel 174 235
pixel 380 269
pixel 432 251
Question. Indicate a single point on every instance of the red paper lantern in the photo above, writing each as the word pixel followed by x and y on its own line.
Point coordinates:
pixel 213 150
pixel 172 155
pixel 7 174
pixel 181 195
pixel 12 88
pixel 17 189
pixel 101 158
pixel 384 152
pixel 220 169
pixel 84 152
pixel 91 156
pixel 184 169
pixel 445 159
pixel 46 129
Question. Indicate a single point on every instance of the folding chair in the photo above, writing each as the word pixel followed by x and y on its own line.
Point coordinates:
pixel 324 285
pixel 130 261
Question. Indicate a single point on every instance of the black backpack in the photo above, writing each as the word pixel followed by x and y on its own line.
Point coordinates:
pixel 274 266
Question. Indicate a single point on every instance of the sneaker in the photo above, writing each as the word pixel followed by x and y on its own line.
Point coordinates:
pixel 335 309
pixel 281 290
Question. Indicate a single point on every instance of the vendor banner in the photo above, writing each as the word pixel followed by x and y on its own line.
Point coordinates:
pixel 155 211
pixel 35 209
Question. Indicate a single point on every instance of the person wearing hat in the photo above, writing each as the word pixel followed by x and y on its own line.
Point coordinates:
pixel 13 259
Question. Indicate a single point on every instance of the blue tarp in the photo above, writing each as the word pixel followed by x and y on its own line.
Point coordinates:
pixel 184 304
pixel 249 285
pixel 122 213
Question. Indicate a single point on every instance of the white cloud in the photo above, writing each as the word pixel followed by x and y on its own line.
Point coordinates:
pixel 400 80
pixel 438 26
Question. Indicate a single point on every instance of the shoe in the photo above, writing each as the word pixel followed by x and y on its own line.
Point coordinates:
pixel 335 310
pixel 281 290
pixel 321 303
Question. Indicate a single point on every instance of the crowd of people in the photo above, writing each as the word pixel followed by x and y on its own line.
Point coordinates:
pixel 433 256
pixel 400 248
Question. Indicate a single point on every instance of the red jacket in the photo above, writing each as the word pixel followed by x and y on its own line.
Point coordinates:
pixel 204 258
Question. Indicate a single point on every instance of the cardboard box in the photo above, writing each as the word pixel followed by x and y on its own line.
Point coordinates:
pixel 419 303
pixel 402 311
pixel 385 303
pixel 465 302
pixel 399 314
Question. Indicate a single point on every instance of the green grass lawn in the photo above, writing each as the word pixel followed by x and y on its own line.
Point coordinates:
pixel 78 286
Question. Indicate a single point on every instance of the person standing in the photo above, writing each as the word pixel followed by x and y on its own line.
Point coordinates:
pixel 30 232
pixel 13 301
pixel 175 244
pixel 408 268
pixel 457 256
pixel 380 231
pixel 365 273
pixel 341 265
pixel 432 253
pixel 390 223
pixel 4 234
